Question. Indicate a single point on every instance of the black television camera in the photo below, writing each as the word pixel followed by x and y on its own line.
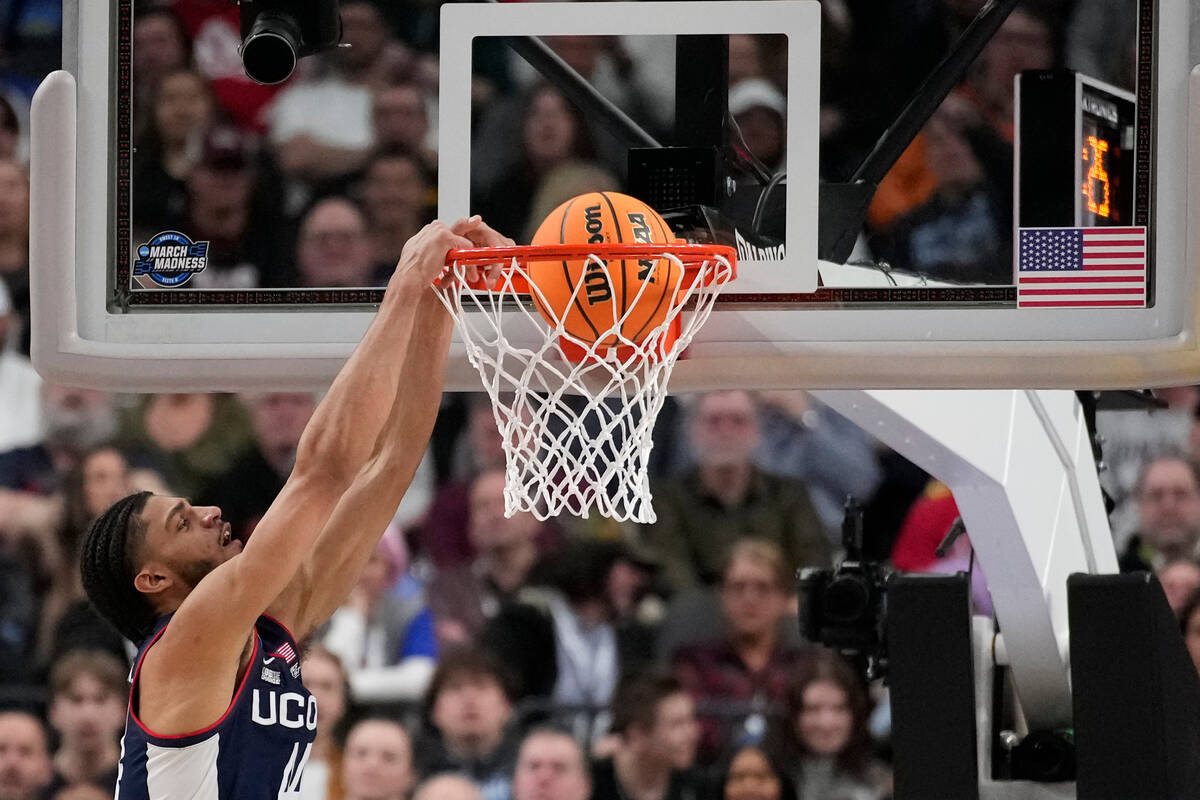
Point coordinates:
pixel 846 607
pixel 277 33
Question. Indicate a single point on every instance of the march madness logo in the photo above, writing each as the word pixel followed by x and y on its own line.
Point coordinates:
pixel 170 259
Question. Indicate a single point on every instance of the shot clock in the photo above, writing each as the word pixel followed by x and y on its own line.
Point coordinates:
pixel 1074 160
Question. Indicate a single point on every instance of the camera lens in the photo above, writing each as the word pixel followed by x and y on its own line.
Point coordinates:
pixel 847 598
pixel 270 50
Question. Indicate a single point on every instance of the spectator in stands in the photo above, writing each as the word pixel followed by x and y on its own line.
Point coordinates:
pixel 1024 42
pixel 88 695
pixel 68 620
pixel 444 536
pixel 227 208
pixel 378 761
pixel 325 677
pixel 551 766
pixel 746 59
pixel 728 496
pixel 333 249
pixel 160 47
pixel 806 439
pixel 1189 626
pixel 14 249
pixel 552 132
pixel 1180 579
pixel 825 733
pixel 470 728
pixel 20 385
pixel 250 483
pixel 160 44
pixel 170 144
pixel 753 774
pixel 400 122
pixel 385 640
pixel 395 195
pixel 447 787
pixel 464 598
pixel 74 421
pixel 188 438
pixel 1134 437
pixel 19 597
pixel 1168 498
pixel 10 131
pixel 961 232
pixel 561 637
pixel 1102 41
pixel 747 669
pixel 569 179
pixel 83 791
pixel 321 128
pixel 760 110
pixel 25 766
pixel 213 26
pixel 654 721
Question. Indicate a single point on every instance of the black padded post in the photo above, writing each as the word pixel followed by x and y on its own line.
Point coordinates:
pixel 1136 692
pixel 932 682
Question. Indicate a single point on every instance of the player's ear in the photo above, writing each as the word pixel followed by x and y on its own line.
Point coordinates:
pixel 152 580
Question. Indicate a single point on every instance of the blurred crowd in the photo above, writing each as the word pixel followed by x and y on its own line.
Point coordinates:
pixel 504 658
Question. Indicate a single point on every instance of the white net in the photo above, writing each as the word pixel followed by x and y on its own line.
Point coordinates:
pixel 577 433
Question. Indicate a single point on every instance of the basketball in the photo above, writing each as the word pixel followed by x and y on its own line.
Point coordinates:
pixel 612 296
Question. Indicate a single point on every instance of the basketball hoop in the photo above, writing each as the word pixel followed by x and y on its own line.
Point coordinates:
pixel 576 415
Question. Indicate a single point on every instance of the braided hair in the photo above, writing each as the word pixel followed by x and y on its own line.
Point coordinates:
pixel 107 567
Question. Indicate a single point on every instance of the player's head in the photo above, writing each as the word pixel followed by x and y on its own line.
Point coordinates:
pixel 144 555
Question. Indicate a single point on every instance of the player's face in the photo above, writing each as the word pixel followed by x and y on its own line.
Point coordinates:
pixel 189 541
pixel 87 715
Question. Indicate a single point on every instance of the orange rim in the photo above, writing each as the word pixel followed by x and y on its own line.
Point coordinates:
pixel 693 256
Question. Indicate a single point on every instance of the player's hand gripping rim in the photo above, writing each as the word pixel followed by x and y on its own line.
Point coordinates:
pixel 481 234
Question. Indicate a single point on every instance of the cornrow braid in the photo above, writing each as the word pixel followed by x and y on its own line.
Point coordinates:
pixel 107 568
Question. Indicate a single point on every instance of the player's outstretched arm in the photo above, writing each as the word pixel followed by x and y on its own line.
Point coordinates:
pixel 213 622
pixel 345 545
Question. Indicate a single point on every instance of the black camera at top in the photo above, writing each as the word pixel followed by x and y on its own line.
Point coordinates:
pixel 277 33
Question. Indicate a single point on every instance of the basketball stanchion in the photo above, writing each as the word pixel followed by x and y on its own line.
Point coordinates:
pixel 577 413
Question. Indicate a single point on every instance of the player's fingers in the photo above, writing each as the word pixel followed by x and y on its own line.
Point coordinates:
pixel 462 226
pixel 483 235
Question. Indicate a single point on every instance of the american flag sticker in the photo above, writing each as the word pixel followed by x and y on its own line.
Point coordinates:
pixel 286 652
pixel 1081 268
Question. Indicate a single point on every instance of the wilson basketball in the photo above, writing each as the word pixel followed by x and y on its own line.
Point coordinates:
pixel 609 297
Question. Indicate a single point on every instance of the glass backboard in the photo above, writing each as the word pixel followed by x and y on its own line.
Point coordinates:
pixel 1030 225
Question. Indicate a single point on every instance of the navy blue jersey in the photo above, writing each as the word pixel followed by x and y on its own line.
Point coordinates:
pixel 257 750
